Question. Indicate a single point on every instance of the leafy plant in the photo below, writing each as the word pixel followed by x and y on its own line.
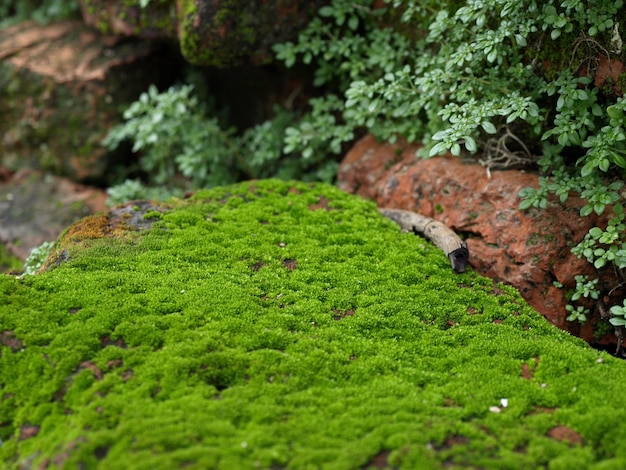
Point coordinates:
pixel 180 147
pixel 36 258
pixel 174 136
pixel 619 315
pixel 577 314
pixel 134 189
pixel 585 288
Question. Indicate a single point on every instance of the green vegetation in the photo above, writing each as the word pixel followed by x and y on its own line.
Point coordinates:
pixel 37 257
pixel 619 312
pixel 484 76
pixel 8 262
pixel 287 325
pixel 511 81
pixel 42 11
pixel 176 138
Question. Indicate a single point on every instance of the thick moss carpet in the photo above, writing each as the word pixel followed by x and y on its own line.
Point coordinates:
pixel 278 325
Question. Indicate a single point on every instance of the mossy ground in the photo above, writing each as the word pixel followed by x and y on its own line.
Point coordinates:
pixel 283 325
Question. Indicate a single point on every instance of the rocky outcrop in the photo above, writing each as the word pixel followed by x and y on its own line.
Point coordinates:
pixel 156 19
pixel 61 89
pixel 210 32
pixel 529 250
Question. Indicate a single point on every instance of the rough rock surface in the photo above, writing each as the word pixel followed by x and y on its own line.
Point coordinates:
pixel 219 33
pixel 529 250
pixel 61 89
pixel 155 20
pixel 35 208
pixel 210 32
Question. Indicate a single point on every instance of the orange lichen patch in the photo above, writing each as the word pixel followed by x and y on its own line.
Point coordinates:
pixel 565 434
pixel 115 223
pixel 90 227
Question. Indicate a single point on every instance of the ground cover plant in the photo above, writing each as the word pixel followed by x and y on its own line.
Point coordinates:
pixel 287 325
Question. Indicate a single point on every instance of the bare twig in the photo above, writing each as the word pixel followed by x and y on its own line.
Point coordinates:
pixel 442 236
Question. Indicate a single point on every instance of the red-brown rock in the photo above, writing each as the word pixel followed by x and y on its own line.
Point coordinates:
pixel 529 250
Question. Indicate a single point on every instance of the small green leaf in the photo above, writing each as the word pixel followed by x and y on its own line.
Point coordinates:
pixel 604 164
pixel 440 135
pixel 587 169
pixel 596 232
pixel 525 204
pixel 437 149
pixel 326 11
pixel 615 112
pixel 586 210
pixel 488 127
pixel 598 208
pixel 470 144
pixel 619 160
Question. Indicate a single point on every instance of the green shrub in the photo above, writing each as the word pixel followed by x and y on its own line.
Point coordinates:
pixel 36 258
pixel 181 147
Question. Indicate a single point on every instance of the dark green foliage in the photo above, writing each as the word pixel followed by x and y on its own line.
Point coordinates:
pixel 42 11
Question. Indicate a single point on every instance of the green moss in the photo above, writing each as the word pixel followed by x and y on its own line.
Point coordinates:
pixel 224 35
pixel 8 262
pixel 252 326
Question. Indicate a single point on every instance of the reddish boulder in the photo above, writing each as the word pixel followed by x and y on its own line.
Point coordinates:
pixel 529 250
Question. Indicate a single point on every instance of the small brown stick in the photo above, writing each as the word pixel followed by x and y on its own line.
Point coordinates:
pixel 442 236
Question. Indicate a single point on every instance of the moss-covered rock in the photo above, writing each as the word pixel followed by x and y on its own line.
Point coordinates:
pixel 232 32
pixel 284 325
pixel 219 33
pixel 155 19
pixel 61 89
